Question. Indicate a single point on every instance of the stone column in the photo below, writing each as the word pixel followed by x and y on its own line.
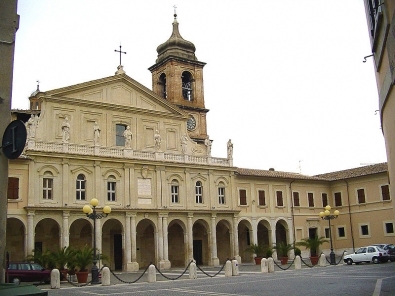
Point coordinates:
pixel 134 266
pixel 214 255
pixel 160 242
pixel 273 232
pixel 236 239
pixel 166 242
pixel 30 232
pixel 65 232
pixel 254 230
pixel 99 236
pixel 128 246
pixel 65 183
pixel 190 236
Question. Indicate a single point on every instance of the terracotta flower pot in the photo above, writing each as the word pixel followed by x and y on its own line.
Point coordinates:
pixel 284 260
pixel 63 273
pixel 258 260
pixel 82 276
pixel 314 260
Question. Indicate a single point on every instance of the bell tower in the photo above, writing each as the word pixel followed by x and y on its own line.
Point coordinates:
pixel 177 76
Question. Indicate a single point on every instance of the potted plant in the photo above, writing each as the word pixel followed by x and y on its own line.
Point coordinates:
pixel 83 258
pixel 60 258
pixel 282 249
pixel 258 250
pixel 313 244
pixel 297 251
pixel 43 258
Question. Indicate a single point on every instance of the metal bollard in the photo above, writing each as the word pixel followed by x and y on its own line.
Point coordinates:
pixel 235 267
pixel 55 279
pixel 228 268
pixel 192 271
pixel 298 262
pixel 264 266
pixel 322 261
pixel 151 274
pixel 105 279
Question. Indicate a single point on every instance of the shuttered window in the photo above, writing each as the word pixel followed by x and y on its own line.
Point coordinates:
pixel 243 197
pixel 13 188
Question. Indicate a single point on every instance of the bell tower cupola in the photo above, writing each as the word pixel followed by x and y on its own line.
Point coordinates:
pixel 177 76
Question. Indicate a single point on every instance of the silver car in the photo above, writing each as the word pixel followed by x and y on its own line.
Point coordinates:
pixel 367 254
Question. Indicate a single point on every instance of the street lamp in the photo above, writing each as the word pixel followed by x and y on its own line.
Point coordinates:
pixel 327 215
pixel 90 211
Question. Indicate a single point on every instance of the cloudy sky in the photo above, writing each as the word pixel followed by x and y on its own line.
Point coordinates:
pixel 284 79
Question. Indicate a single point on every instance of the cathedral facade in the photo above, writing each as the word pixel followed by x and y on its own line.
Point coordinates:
pixel 146 154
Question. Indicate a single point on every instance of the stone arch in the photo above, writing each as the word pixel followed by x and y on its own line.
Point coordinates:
pixel 282 231
pixel 47 235
pixel 146 243
pixel 264 233
pixel 113 243
pixel 244 230
pixel 224 242
pixel 15 239
pixel 177 243
pixel 201 242
pixel 80 233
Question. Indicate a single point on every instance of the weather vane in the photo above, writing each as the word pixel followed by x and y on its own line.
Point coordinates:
pixel 120 54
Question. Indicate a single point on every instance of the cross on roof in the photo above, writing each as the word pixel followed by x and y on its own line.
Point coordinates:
pixel 120 54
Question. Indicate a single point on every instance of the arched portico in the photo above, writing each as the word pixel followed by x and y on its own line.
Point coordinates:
pixel 177 243
pixel 113 243
pixel 245 239
pixel 145 241
pixel 80 233
pixel 201 250
pixel 15 241
pixel 224 245
pixel 47 235
pixel 264 233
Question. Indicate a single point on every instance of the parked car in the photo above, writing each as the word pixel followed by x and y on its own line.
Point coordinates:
pixel 367 254
pixel 389 248
pixel 26 272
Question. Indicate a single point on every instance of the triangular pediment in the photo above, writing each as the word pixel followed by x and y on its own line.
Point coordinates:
pixel 119 90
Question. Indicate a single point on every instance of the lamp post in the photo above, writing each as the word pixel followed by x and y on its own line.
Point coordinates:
pixel 327 215
pixel 90 211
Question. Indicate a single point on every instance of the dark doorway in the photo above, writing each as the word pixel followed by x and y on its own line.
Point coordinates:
pixel 312 232
pixel 38 247
pixel 198 251
pixel 118 251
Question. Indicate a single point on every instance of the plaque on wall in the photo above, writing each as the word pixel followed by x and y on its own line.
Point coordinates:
pixel 144 186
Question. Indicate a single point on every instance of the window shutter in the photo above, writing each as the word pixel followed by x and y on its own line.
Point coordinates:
pixel 13 188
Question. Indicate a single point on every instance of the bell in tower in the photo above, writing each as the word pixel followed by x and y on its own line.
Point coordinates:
pixel 177 76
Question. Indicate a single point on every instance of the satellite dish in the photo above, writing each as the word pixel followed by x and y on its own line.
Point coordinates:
pixel 14 139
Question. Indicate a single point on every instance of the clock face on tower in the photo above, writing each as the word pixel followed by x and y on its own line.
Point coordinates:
pixel 191 123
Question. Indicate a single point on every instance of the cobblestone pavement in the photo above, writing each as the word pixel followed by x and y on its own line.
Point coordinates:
pixel 361 280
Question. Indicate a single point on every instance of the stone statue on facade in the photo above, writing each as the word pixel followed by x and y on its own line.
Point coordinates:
pixel 96 133
pixel 184 140
pixel 127 134
pixel 230 149
pixel 65 130
pixel 157 140
pixel 31 126
pixel 208 143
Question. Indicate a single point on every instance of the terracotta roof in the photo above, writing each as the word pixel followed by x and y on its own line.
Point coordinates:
pixel 356 172
pixel 276 174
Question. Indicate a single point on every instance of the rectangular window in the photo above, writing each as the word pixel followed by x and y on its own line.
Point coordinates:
pixel 327 235
pixel 13 188
pixel 279 196
pixel 364 230
pixel 338 199
pixel 296 199
pixel 199 192
pixel 111 192
pixel 80 187
pixel 119 138
pixel 47 188
pixel 361 196
pixel 341 232
pixel 324 198
pixel 243 197
pixel 389 227
pixel 310 197
pixel 385 192
pixel 221 195
pixel 174 194
pixel 261 198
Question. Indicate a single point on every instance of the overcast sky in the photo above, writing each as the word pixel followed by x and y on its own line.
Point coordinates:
pixel 284 79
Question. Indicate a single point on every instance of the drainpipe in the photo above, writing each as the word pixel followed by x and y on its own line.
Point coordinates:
pixel 349 214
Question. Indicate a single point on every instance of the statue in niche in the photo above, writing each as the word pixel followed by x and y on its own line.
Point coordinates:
pixel 157 140
pixel 208 143
pixel 127 134
pixel 230 149
pixel 65 130
pixel 96 133
pixel 184 140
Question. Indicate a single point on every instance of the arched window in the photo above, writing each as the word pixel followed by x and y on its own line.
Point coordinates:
pixel 80 187
pixel 111 188
pixel 48 185
pixel 187 86
pixel 162 82
pixel 221 193
pixel 198 192
pixel 175 189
